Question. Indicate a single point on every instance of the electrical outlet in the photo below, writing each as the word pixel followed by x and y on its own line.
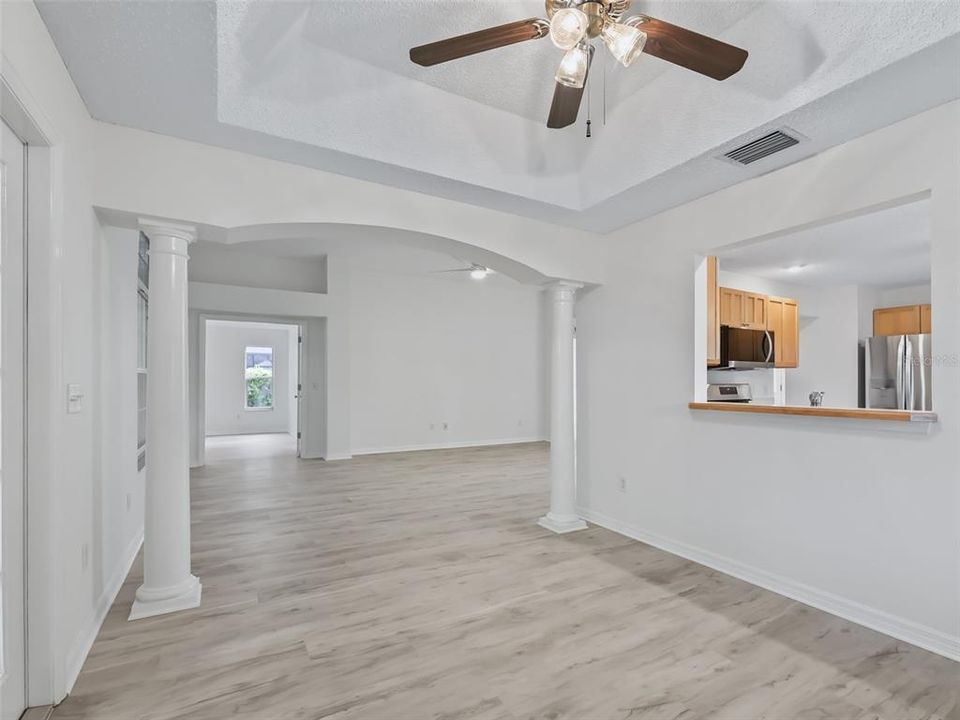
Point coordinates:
pixel 84 556
pixel 622 483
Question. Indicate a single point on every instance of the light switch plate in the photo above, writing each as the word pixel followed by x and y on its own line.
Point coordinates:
pixel 74 398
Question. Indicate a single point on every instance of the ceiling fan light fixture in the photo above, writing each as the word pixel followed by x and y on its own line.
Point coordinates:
pixel 625 42
pixel 574 66
pixel 567 27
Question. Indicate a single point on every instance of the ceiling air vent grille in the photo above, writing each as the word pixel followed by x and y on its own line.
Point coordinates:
pixel 762 147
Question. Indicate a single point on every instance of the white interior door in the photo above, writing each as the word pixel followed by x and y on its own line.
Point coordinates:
pixel 12 655
pixel 298 384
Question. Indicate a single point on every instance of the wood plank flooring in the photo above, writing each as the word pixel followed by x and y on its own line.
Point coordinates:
pixel 418 585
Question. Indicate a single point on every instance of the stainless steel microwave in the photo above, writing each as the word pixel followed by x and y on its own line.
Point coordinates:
pixel 742 349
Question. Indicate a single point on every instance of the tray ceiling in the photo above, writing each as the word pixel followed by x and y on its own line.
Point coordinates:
pixel 328 84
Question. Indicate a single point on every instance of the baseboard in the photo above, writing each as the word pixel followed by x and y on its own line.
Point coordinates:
pixel 335 456
pixel 900 628
pixel 447 446
pixel 80 648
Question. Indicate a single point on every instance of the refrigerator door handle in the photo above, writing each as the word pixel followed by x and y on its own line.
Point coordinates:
pixel 901 371
pixel 908 365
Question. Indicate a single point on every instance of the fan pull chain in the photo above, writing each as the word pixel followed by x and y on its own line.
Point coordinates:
pixel 589 85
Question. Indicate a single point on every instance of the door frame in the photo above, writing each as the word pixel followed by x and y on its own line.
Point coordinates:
pixel 46 676
pixel 303 418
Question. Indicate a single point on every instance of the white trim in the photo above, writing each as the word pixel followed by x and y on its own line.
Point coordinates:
pixel 446 446
pixel 81 645
pixel 150 603
pixel 205 316
pixel 337 456
pixel 43 248
pixel 900 628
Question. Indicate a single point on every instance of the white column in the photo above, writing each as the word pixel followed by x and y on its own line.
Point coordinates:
pixel 562 517
pixel 168 585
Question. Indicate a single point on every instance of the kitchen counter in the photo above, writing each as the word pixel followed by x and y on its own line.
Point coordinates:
pixel 850 413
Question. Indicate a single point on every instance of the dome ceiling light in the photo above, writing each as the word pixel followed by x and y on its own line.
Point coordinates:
pixel 573 26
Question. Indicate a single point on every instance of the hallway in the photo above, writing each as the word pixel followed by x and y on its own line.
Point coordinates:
pixel 418 585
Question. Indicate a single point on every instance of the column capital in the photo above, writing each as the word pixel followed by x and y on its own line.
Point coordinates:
pixel 155 227
pixel 563 289
pixel 167 238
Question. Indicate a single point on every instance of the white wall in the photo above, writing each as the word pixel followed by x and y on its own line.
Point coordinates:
pixel 77 500
pixel 441 362
pixel 122 496
pixel 210 263
pixel 910 295
pixel 222 189
pixel 854 517
pixel 226 412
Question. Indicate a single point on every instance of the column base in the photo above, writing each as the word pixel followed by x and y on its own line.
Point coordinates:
pixel 150 602
pixel 561 525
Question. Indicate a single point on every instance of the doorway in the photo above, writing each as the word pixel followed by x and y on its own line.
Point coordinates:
pixel 12 486
pixel 252 389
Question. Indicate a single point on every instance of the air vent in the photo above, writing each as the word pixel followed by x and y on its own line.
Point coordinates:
pixel 762 147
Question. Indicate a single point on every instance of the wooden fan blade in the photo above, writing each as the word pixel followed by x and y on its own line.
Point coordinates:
pixel 691 50
pixel 565 106
pixel 566 102
pixel 478 42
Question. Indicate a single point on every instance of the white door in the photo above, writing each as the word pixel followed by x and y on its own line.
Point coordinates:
pixel 299 385
pixel 12 655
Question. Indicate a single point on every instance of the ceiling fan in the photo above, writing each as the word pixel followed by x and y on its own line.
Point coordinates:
pixel 572 26
pixel 477 272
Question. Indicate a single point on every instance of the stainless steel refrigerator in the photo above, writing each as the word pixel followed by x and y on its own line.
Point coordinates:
pixel 897 372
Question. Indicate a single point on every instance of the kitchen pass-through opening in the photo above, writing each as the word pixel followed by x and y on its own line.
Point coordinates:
pixel 838 315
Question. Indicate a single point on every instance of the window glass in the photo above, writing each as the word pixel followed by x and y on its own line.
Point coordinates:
pixel 258 376
pixel 143 256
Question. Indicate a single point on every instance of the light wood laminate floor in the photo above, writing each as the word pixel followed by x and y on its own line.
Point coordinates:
pixel 418 585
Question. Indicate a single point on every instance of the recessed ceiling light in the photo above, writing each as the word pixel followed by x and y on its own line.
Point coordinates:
pixel 796 268
pixel 479 273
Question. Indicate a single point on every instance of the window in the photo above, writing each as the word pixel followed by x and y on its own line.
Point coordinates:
pixel 258 377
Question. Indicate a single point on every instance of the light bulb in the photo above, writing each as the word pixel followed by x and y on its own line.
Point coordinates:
pixel 624 41
pixel 573 68
pixel 479 273
pixel 567 27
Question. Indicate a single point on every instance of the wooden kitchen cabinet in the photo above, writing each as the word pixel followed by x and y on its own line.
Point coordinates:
pixel 731 307
pixel 739 308
pixel 926 319
pixel 754 311
pixel 713 313
pixel 904 320
pixel 783 320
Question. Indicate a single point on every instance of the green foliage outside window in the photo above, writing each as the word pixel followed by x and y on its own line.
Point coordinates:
pixel 259 387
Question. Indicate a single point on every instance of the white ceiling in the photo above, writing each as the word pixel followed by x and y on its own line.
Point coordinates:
pixel 885 248
pixel 328 84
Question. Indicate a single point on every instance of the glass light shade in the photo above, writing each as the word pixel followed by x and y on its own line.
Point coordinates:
pixel 567 27
pixel 479 273
pixel 573 68
pixel 624 41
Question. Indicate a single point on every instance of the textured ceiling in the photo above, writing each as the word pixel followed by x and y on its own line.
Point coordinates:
pixel 328 84
pixel 886 248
